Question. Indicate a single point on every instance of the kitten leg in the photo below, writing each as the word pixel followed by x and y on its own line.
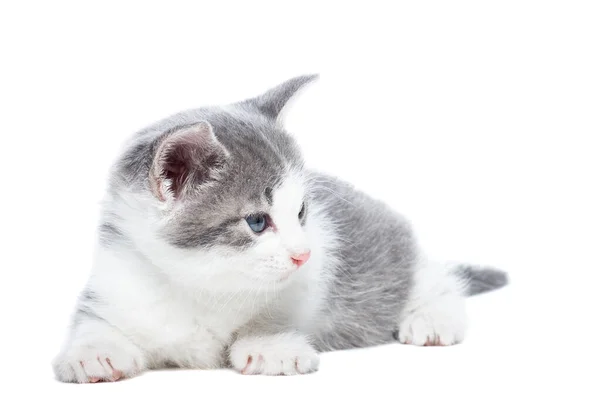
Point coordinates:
pixel 95 351
pixel 279 354
pixel 435 314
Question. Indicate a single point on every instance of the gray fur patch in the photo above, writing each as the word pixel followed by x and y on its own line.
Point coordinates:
pixel 373 282
pixel 269 195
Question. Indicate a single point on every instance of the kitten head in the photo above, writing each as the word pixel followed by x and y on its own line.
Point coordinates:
pixel 221 195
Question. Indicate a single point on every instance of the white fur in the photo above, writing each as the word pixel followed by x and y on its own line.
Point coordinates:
pixel 435 314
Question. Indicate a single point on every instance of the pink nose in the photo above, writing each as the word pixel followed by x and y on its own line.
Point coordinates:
pixel 300 259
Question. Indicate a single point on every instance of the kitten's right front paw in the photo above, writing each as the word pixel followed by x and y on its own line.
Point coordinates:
pixel 97 362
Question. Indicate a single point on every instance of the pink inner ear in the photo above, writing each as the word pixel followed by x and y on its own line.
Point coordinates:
pixel 177 166
pixel 186 158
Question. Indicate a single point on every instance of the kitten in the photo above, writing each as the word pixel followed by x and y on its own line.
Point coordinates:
pixel 218 248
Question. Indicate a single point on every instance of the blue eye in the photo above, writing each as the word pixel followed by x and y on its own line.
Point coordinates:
pixel 257 223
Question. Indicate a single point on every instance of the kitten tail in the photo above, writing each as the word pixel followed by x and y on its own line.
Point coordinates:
pixel 481 279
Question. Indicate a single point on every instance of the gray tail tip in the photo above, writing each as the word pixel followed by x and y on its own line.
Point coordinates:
pixel 482 279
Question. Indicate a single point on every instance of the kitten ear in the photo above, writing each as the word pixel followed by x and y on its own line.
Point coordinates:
pixel 186 157
pixel 272 102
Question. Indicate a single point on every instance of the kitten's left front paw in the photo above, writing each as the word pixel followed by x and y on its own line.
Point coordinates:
pixel 283 354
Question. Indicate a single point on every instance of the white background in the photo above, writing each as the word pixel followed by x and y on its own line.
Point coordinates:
pixel 477 119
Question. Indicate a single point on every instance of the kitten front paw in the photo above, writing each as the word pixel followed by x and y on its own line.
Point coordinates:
pixel 284 354
pixel 91 363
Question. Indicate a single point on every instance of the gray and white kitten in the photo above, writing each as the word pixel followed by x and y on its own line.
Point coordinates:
pixel 218 248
